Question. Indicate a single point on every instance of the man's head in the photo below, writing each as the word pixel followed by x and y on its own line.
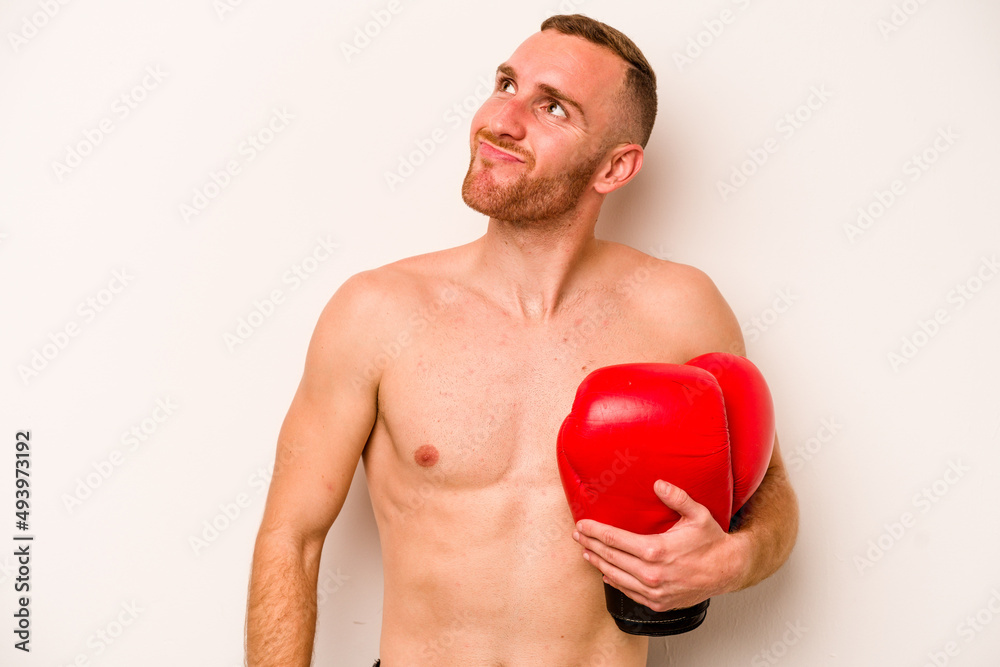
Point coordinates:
pixel 636 97
pixel 572 108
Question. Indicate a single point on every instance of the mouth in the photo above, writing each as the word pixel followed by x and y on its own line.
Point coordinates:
pixel 490 151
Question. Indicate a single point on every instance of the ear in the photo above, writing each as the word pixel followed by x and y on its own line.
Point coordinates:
pixel 623 163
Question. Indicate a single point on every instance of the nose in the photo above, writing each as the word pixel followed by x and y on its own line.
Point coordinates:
pixel 508 120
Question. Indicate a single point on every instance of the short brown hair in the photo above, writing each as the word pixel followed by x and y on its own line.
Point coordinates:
pixel 637 95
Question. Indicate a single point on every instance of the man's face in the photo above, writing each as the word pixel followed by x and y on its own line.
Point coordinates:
pixel 551 116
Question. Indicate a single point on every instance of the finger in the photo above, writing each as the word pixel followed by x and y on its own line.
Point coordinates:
pixel 619 578
pixel 678 500
pixel 643 594
pixel 610 536
pixel 610 554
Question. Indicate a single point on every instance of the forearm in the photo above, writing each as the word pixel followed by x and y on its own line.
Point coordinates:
pixel 766 528
pixel 281 604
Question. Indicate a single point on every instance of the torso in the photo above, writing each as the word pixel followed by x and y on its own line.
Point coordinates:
pixel 479 563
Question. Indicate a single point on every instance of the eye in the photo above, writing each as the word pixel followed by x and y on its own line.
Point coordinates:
pixel 561 112
pixel 503 84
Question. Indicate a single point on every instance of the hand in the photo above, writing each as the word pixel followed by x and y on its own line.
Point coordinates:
pixel 692 561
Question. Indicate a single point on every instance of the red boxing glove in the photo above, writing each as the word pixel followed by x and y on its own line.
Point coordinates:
pixel 706 426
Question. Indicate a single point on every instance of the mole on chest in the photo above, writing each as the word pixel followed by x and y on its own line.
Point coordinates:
pixel 426 456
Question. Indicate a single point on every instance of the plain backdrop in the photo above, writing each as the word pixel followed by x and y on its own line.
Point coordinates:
pixel 185 184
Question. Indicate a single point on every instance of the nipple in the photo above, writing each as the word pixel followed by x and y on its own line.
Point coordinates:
pixel 426 456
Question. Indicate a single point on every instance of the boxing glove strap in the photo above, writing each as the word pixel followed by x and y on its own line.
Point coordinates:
pixel 638 619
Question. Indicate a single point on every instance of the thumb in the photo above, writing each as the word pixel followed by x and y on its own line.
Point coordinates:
pixel 675 498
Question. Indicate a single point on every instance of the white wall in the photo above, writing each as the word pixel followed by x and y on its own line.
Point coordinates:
pixel 850 299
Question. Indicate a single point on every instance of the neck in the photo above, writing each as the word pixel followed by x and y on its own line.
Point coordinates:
pixel 532 269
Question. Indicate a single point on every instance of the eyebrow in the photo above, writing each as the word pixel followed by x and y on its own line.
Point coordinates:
pixel 551 91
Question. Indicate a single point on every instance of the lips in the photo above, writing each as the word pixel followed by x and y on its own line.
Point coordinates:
pixel 490 151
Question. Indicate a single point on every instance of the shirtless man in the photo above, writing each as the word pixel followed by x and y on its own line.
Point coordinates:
pixel 449 374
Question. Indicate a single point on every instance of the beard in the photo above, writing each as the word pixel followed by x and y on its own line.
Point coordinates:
pixel 526 199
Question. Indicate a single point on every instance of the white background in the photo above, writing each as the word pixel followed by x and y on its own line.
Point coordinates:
pixel 861 588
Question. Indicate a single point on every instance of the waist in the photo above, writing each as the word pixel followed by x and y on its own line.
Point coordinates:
pixel 562 632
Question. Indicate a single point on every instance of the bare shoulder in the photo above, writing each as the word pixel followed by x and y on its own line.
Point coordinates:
pixel 681 299
pixel 398 285
pixel 373 302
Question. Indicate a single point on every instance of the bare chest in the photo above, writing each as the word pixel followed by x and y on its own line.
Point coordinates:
pixel 475 399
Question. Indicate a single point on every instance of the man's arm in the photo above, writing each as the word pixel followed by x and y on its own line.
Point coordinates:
pixel 319 446
pixel 767 525
pixel 695 559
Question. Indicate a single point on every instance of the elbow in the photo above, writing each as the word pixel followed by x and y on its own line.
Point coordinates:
pixel 287 545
